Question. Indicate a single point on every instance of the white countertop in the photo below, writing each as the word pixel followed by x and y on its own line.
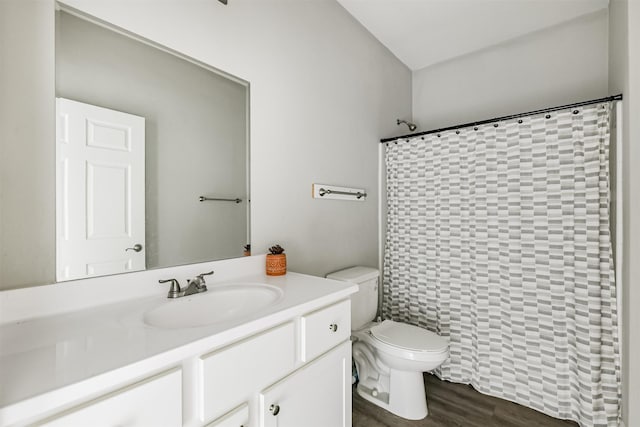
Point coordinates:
pixel 74 350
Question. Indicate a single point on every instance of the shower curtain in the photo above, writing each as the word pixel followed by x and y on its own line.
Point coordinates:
pixel 498 238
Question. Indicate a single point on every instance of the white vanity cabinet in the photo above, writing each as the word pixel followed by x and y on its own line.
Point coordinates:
pixel 303 365
pixel 295 356
pixel 156 401
pixel 317 395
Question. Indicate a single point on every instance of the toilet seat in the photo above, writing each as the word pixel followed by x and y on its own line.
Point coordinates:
pixel 408 341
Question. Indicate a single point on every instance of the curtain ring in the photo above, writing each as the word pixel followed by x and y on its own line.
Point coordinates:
pixel 495 125
pixel 548 116
pixel 575 111
pixel 475 128
pixel 457 132
pixel 520 121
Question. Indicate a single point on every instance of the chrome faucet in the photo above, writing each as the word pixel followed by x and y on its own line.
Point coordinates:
pixel 194 286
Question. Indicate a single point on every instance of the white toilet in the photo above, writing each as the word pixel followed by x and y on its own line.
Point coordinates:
pixel 390 356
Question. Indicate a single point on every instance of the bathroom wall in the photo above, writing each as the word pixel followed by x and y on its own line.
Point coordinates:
pixel 624 77
pixel 27 148
pixel 323 91
pixel 560 65
pixel 195 135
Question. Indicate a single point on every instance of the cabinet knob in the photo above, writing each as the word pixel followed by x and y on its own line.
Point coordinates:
pixel 274 409
pixel 333 327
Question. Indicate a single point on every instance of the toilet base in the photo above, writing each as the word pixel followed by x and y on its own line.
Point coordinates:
pixel 406 398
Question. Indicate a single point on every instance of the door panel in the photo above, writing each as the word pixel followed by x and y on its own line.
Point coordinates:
pixel 100 201
pixel 108 189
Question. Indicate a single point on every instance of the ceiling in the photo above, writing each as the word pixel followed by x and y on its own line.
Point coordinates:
pixel 424 32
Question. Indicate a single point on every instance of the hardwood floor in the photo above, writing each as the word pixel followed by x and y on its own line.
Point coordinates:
pixel 456 405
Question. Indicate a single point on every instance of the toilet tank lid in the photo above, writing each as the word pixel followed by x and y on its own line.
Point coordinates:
pixel 354 274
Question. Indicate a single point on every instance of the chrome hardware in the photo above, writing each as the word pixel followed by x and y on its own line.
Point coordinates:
pixel 214 199
pixel 197 285
pixel 201 276
pixel 175 291
pixel 333 327
pixel 137 247
pixel 357 195
pixel 274 409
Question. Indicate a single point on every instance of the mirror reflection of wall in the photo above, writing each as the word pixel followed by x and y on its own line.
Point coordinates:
pixel 195 126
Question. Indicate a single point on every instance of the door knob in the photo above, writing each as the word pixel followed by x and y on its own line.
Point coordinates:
pixel 274 409
pixel 333 327
pixel 137 247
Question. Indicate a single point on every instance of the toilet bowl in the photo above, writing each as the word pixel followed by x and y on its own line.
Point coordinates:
pixel 390 357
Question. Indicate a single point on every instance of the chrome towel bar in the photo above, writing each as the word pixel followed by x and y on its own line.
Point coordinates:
pixel 357 195
pixel 327 191
pixel 215 199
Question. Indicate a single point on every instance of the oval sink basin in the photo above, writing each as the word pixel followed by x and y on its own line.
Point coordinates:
pixel 218 304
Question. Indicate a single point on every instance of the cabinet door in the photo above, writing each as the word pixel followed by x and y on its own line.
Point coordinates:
pixel 156 401
pixel 317 395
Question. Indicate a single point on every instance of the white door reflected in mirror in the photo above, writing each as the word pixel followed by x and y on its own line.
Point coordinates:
pixel 100 184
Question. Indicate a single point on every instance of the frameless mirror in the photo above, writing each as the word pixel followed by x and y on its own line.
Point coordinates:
pixel 151 155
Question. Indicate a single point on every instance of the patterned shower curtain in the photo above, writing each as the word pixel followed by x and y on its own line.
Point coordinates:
pixel 498 238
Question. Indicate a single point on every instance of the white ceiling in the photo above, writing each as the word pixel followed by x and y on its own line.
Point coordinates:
pixel 424 32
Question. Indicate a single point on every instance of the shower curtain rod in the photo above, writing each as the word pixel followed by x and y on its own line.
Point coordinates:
pixel 497 119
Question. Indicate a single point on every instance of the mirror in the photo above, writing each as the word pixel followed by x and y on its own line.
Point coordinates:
pixel 151 155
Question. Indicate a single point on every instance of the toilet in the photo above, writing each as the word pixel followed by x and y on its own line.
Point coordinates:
pixel 390 356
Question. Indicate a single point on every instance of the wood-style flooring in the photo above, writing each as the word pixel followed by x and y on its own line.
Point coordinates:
pixel 456 405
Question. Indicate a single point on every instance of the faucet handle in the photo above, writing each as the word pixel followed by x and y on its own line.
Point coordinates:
pixel 174 291
pixel 201 276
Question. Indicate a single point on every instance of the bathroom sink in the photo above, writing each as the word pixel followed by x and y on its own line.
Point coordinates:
pixel 219 304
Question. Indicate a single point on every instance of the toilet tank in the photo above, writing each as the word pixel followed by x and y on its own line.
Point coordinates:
pixel 364 303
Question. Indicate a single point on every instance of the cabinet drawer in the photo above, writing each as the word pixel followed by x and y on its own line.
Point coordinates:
pixel 156 401
pixel 238 417
pixel 231 374
pixel 324 329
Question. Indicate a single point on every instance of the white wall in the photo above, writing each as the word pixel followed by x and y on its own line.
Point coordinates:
pixel 560 65
pixel 195 136
pixel 323 91
pixel 27 151
pixel 624 76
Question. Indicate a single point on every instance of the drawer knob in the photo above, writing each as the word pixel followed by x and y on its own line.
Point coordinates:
pixel 333 327
pixel 274 409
